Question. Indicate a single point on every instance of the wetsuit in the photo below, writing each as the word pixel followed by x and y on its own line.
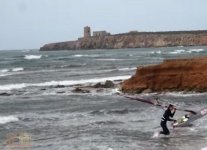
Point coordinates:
pixel 166 117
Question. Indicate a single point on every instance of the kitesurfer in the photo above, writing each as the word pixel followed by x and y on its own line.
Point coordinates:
pixel 167 116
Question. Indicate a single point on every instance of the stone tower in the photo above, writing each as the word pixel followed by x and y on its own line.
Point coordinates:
pixel 87 32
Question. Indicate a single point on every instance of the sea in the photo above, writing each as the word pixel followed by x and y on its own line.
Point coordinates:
pixel 39 109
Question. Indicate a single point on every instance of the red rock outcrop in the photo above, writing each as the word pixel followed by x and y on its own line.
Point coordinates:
pixel 171 75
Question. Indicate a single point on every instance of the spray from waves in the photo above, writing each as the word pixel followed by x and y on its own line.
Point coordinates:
pixel 30 57
pixel 64 83
pixel 7 119
pixel 204 148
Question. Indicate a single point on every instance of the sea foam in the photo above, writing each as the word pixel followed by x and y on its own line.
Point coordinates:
pixel 195 50
pixel 7 72
pixel 4 70
pixel 12 86
pixel 65 83
pixel 17 69
pixel 177 51
pixel 29 57
pixel 7 119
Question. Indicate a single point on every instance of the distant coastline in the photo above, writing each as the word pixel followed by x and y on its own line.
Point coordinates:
pixel 132 39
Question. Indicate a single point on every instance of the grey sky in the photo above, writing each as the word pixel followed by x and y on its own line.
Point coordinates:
pixel 32 23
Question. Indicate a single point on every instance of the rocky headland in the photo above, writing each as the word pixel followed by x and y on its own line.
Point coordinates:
pixel 133 40
pixel 171 75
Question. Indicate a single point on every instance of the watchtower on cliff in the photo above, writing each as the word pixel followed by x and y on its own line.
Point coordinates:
pixel 87 32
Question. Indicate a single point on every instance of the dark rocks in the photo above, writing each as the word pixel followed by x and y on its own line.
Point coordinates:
pixel 107 84
pixel 5 94
pixel 59 86
pixel 80 90
pixel 60 92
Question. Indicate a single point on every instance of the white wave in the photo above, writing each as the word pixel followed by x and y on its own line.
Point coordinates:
pixel 85 55
pixel 84 81
pixel 204 148
pixel 183 94
pixel 17 69
pixel 12 86
pixel 4 70
pixel 110 59
pixel 156 52
pixel 127 69
pixel 195 50
pixel 29 57
pixel 65 83
pixel 178 51
pixel 9 72
pixel 7 119
pixel 79 55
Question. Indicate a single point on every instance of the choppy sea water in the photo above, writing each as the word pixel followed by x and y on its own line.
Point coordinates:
pixel 39 111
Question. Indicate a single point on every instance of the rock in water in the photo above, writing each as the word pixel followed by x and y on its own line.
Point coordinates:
pixel 79 90
pixel 107 84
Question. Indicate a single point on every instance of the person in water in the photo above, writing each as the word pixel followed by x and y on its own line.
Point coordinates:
pixel 167 116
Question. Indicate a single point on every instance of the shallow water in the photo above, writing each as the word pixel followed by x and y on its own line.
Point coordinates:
pixel 56 118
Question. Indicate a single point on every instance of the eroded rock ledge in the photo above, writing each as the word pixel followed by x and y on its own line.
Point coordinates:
pixel 171 75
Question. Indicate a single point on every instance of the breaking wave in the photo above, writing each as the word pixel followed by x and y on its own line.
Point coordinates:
pixel 4 70
pixel 12 86
pixel 195 50
pixel 17 69
pixel 7 72
pixel 179 51
pixel 156 52
pixel 127 69
pixel 29 57
pixel 7 119
pixel 110 59
pixel 64 83
pixel 183 94
pixel 85 55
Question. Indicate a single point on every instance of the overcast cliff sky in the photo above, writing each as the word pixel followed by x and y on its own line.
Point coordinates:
pixel 32 23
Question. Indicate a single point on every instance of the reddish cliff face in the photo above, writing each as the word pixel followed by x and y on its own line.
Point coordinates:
pixel 171 75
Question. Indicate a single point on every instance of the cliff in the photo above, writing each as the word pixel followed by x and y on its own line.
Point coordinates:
pixel 134 40
pixel 171 75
